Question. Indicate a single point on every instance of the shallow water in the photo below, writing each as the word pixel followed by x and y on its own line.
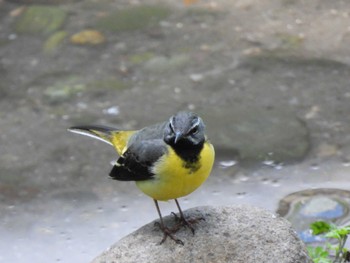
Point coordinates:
pixel 272 87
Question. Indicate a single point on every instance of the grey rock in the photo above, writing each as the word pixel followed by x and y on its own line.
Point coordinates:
pixel 237 234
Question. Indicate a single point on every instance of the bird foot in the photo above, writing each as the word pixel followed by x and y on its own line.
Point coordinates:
pixel 183 222
pixel 167 232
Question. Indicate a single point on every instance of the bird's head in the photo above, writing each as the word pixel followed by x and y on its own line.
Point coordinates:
pixel 184 129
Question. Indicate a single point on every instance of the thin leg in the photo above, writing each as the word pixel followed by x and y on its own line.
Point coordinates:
pixel 178 207
pixel 166 231
pixel 183 220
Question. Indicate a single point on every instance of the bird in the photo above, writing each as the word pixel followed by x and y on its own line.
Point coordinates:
pixel 166 160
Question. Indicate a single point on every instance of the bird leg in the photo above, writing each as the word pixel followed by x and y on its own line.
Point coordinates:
pixel 183 221
pixel 167 232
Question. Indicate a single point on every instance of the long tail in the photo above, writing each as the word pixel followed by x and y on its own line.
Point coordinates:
pixel 112 136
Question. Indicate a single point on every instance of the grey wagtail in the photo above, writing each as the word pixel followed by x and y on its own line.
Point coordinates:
pixel 167 160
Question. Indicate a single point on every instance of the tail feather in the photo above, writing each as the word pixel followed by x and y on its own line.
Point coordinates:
pixel 117 138
pixel 99 132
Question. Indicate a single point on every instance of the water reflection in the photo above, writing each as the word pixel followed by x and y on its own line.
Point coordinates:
pixel 304 207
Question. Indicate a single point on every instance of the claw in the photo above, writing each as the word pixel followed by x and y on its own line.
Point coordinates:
pixel 168 233
pixel 183 222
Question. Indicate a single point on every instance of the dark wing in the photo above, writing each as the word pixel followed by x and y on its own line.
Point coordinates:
pixel 137 161
pixel 153 132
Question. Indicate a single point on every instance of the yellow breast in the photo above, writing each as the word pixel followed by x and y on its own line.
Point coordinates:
pixel 174 179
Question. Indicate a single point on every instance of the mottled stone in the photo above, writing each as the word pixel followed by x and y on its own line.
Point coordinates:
pixel 227 234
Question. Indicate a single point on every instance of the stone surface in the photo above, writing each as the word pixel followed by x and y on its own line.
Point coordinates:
pixel 237 234
pixel 259 134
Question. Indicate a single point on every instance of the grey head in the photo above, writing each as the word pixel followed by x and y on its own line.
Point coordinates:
pixel 184 129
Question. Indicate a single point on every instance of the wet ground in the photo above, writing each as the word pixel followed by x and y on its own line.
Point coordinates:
pixel 270 78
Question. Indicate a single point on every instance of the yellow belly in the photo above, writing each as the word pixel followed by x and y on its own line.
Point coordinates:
pixel 173 180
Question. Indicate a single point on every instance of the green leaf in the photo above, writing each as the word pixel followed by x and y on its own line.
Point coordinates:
pixel 317 254
pixel 344 231
pixel 331 247
pixel 333 234
pixel 323 260
pixel 338 232
pixel 320 227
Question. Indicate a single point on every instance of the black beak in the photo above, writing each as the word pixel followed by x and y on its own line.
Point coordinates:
pixel 178 136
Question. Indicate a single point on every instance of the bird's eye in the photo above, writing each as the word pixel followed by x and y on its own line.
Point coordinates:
pixel 194 130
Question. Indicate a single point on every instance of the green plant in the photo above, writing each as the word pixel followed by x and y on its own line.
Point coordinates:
pixel 330 253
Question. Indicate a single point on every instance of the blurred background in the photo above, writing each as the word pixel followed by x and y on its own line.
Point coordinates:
pixel 270 79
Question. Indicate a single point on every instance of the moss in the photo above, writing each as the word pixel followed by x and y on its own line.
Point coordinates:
pixel 134 18
pixel 40 20
pixel 54 41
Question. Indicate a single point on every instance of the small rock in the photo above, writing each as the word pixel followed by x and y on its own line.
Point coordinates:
pixel 227 234
pixel 196 77
pixel 114 110
pixel 313 112
pixel 88 37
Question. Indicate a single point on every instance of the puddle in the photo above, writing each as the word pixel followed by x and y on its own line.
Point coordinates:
pixel 304 207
